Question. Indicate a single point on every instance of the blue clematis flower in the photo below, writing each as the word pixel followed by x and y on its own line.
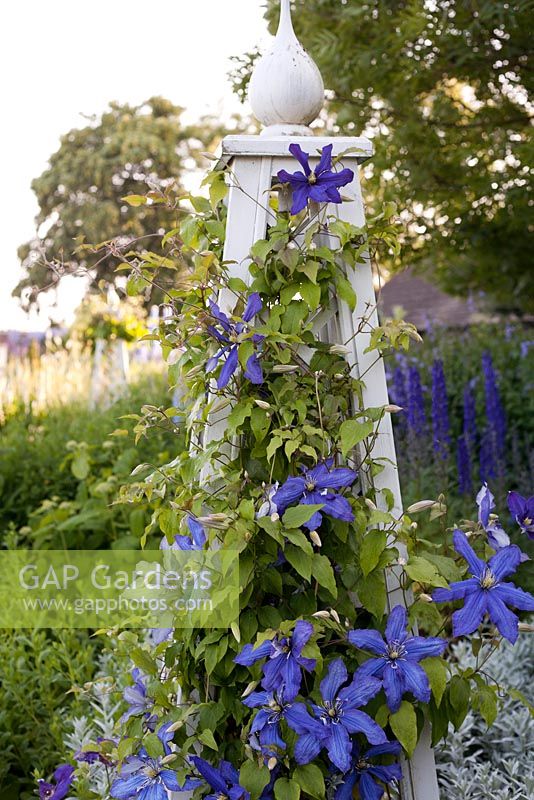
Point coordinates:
pixel 522 510
pixel 143 777
pixel 63 777
pixel 336 718
pixel 314 487
pixel 230 336
pixel 95 756
pixel 497 536
pixel 486 593
pixel 364 774
pixel 285 659
pixel 224 781
pixel 322 185
pixel 273 707
pixel 397 665
pixel 195 541
pixel 136 697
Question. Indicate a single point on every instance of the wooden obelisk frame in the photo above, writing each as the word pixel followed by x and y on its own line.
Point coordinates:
pixel 253 163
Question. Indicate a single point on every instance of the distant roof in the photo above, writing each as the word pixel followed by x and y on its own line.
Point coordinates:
pixel 423 303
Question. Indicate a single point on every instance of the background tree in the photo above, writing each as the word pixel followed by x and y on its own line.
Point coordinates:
pixel 442 86
pixel 127 150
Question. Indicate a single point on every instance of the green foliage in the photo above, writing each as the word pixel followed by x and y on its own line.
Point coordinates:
pixel 38 669
pixel 125 152
pixel 442 88
pixel 61 470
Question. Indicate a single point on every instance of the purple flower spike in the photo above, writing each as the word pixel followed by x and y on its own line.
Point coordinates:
pixel 322 185
pixel 522 510
pixel 336 718
pixel 486 592
pixel 63 777
pixel 398 655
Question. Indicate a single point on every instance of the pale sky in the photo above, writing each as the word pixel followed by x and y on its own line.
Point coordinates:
pixel 63 58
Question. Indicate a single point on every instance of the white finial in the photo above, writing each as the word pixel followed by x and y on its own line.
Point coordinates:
pixel 286 89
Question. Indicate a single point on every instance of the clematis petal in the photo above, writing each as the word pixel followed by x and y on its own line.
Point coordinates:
pixel 339 747
pixel 302 157
pixel 255 699
pixel 270 738
pixel 289 492
pixel 344 791
pixel 300 198
pixel 155 791
pixel 211 775
pixel 505 620
pixel 359 722
pixel 513 596
pixel 253 307
pixel 299 719
pixel 486 503
pixel 253 370
pixel 369 790
pixel 462 546
pixel 220 316
pixel 302 633
pixel 260 720
pixel 336 478
pixel 337 179
pixel 337 506
pixel 197 531
pixel 393 687
pixel 170 780
pixel 292 177
pixel 290 677
pixel 505 561
pixel 415 680
pixel 397 624
pixel 366 639
pixel 419 647
pixel 386 774
pixel 124 788
pixel 325 162
pixel 228 771
pixel 360 691
pixel 457 590
pixel 384 749
pixel 467 619
pixel 249 654
pixel 274 675
pixel 228 369
pixel 307 748
pixel 373 667
pixel 335 678
pixel 516 504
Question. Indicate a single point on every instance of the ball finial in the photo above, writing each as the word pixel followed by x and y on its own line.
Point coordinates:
pixel 286 89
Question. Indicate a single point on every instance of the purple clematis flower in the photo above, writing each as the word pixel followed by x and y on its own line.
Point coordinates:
pixel 195 541
pixel 522 510
pixel 314 487
pixel 322 185
pixel 397 665
pixel 230 337
pixel 95 756
pixel 336 718
pixel 224 781
pixel 63 776
pixel 273 707
pixel 136 697
pixel 364 774
pixel 485 592
pixel 497 536
pixel 145 778
pixel 284 654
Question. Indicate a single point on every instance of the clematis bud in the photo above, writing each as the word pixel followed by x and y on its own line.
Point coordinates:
pixel 370 504
pixel 425 598
pixel 339 350
pixel 339 376
pixel 263 404
pixel 250 688
pixel 275 517
pixel 321 615
pixel 217 521
pixel 169 758
pixel 335 615
pixel 393 409
pixel 175 726
pixel 271 764
pixel 421 505
pixel 285 368
pixel 316 539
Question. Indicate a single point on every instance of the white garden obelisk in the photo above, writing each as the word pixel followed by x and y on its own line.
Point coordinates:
pixel 286 94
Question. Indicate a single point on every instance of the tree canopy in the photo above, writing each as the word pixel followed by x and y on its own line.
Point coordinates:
pixel 128 150
pixel 443 89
